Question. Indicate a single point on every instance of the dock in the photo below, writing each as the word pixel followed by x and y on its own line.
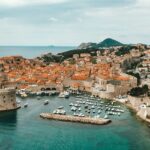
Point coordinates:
pixel 69 118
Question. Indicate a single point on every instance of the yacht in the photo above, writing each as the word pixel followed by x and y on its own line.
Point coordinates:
pixel 79 109
pixel 75 114
pixel 46 102
pixel 93 107
pixel 60 107
pixel 71 104
pixel 81 115
pixel 64 94
pixel 23 95
pixel 97 116
pixel 25 105
pixel 73 108
pixel 59 111
pixel 18 101
pixel 99 111
pixel 105 117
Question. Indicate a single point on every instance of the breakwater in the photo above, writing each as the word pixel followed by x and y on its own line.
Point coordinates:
pixel 69 118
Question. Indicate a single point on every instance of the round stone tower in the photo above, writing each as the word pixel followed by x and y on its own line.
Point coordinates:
pixel 7 95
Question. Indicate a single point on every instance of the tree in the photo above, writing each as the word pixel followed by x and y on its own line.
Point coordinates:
pixel 139 91
pixel 137 75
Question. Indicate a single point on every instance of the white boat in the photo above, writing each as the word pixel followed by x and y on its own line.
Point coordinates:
pixel 75 114
pixel 60 107
pixel 93 107
pixel 73 108
pixel 59 111
pixel 79 109
pixel 93 111
pixel 62 112
pixel 81 115
pixel 23 95
pixel 77 105
pixel 64 94
pixel 18 101
pixel 46 102
pixel 106 117
pixel 26 105
pixel 99 111
pixel 71 104
pixel 97 116
pixel 54 112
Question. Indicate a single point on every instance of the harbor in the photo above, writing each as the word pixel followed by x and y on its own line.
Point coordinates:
pixel 69 118
pixel 24 127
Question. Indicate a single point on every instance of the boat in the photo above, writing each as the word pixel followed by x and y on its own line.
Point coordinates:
pixel 79 109
pixel 93 107
pixel 18 101
pixel 46 102
pixel 23 95
pixel 71 104
pixel 73 108
pixel 75 114
pixel 97 116
pixel 118 114
pixel 62 112
pixel 85 106
pixel 81 115
pixel 106 117
pixel 64 94
pixel 60 107
pixel 25 105
pixel 99 111
pixel 59 111
pixel 54 112
pixel 77 105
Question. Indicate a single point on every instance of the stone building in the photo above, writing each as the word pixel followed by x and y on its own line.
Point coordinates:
pixel 7 95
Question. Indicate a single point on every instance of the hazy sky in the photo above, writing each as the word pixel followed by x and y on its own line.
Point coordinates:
pixel 70 22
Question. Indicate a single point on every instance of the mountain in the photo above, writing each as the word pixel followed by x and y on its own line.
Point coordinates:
pixel 105 43
pixel 109 43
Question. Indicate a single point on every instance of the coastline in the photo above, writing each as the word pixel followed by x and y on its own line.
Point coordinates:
pixel 129 105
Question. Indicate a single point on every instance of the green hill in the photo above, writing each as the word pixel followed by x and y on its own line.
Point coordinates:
pixel 109 43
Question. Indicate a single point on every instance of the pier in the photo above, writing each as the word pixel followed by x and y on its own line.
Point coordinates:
pixel 69 118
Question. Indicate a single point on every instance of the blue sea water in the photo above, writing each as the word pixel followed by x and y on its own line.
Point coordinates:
pixel 25 130
pixel 31 51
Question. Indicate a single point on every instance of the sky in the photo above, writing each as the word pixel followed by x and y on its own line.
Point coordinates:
pixel 71 22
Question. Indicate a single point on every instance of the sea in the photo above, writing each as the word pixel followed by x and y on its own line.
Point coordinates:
pixel 32 51
pixel 25 130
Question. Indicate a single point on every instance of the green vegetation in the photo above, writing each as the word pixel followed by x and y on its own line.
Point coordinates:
pixel 137 75
pixel 139 91
pixel 124 50
pixel 109 43
pixel 94 61
pixel 69 54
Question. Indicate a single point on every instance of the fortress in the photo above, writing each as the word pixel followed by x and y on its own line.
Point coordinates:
pixel 7 95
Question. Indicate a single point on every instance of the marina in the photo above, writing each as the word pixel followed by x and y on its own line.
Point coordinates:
pixel 22 128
